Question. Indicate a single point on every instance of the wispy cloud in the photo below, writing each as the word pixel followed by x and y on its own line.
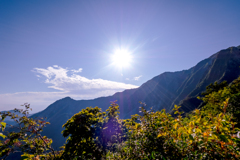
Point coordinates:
pixel 134 78
pixel 66 82
pixel 77 71
pixel 59 79
pixel 137 78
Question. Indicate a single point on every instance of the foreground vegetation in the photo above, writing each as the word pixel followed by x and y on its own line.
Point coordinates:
pixel 209 132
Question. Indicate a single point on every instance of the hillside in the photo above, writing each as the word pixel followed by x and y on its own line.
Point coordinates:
pixel 162 91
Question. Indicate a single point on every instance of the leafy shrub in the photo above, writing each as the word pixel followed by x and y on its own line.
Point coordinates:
pixel 2 126
pixel 91 133
pixel 202 135
pixel 210 132
pixel 25 136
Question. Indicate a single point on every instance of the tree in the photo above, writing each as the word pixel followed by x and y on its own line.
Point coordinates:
pixel 201 135
pixel 25 137
pixel 210 132
pixel 217 96
pixel 214 87
pixel 92 133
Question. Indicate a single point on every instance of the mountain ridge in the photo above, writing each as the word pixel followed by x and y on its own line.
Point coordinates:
pixel 162 91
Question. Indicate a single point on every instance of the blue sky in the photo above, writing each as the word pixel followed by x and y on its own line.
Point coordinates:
pixel 53 49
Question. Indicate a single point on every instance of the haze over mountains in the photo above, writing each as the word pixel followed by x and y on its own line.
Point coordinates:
pixel 162 91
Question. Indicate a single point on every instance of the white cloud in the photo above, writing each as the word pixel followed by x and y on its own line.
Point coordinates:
pixel 137 78
pixel 77 71
pixel 59 79
pixel 127 79
pixel 66 83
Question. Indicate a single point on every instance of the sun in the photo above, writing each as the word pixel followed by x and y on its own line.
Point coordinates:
pixel 121 58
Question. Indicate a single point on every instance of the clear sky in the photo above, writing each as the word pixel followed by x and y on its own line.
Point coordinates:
pixel 57 48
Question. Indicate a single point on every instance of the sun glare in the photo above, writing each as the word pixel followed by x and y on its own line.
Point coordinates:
pixel 121 58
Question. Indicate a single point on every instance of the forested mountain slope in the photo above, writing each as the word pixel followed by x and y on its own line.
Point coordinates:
pixel 162 91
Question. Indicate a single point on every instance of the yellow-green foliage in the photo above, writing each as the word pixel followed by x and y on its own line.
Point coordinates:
pixel 24 136
pixel 92 133
pixel 206 133
pixel 214 100
pixel 210 132
pixel 2 126
pixel 202 135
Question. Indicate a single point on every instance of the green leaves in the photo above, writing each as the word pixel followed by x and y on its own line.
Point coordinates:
pixel 24 136
pixel 2 126
pixel 210 132
pixel 92 133
pixel 24 158
pixel 201 135
pixel 2 135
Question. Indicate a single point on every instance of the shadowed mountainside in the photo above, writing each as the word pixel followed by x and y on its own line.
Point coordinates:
pixel 162 91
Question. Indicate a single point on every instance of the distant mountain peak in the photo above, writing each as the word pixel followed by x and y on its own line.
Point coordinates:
pixel 67 98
